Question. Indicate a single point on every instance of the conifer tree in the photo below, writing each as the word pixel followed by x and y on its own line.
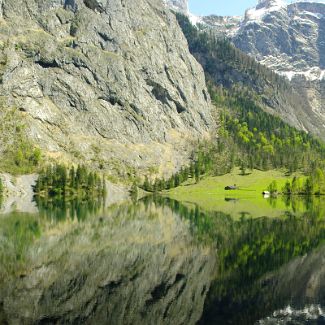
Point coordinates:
pixel 1 187
pixel 134 191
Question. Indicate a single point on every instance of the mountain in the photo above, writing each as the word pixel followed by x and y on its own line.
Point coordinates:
pixel 290 40
pixel 107 83
pixel 230 68
pixel 178 5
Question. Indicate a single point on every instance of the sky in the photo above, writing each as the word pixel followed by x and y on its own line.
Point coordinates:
pixel 221 7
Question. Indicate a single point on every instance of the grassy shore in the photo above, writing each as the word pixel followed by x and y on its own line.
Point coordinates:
pixel 210 194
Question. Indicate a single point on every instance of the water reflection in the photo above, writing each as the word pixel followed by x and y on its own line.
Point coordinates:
pixel 249 250
pixel 312 315
pixel 17 232
pixel 161 261
pixel 60 210
pixel 133 264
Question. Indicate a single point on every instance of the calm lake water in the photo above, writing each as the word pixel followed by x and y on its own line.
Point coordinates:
pixel 158 261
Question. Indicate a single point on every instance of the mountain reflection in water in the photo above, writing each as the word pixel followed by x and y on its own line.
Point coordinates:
pixel 159 261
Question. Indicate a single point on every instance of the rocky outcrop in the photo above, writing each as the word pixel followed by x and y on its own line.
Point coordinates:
pixel 178 5
pixel 135 265
pixel 110 83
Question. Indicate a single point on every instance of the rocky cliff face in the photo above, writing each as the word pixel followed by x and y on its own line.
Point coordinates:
pixel 103 82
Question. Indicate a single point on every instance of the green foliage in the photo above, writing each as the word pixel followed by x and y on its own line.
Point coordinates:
pixel 313 185
pixel 59 182
pixel 243 167
pixel 1 187
pixel 19 155
pixel 273 187
pixel 202 165
pixel 261 140
pixel 75 25
pixel 17 233
pixel 249 136
pixel 287 188
pixel 134 192
pixel 223 62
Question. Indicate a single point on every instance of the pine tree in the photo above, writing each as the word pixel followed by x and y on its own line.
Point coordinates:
pixel 309 186
pixel 146 185
pixel 72 178
pixel 243 167
pixel 177 180
pixel 104 188
pixel 197 173
pixel 1 187
pixel 273 187
pixel 287 188
pixel 134 191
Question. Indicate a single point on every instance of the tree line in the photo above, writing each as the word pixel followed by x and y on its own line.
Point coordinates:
pixel 312 185
pixel 201 165
pixel 58 181
pixel 253 138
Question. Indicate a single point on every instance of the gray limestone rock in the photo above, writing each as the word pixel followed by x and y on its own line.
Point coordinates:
pixel 111 83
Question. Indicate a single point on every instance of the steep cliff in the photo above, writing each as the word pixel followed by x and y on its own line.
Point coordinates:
pixel 110 83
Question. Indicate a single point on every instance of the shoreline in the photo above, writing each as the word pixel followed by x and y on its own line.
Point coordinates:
pixel 18 193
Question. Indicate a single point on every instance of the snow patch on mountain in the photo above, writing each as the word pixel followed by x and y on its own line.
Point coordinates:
pixel 312 74
pixel 195 19
pixel 312 14
pixel 263 8
pixel 291 315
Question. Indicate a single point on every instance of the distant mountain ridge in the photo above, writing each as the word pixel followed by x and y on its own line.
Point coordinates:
pixel 289 39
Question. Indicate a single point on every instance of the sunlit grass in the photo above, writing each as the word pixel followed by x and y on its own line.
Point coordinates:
pixel 210 194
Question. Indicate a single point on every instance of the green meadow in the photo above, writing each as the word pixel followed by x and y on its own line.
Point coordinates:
pixel 248 199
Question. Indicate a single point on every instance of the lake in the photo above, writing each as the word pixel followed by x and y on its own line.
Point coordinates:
pixel 159 261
